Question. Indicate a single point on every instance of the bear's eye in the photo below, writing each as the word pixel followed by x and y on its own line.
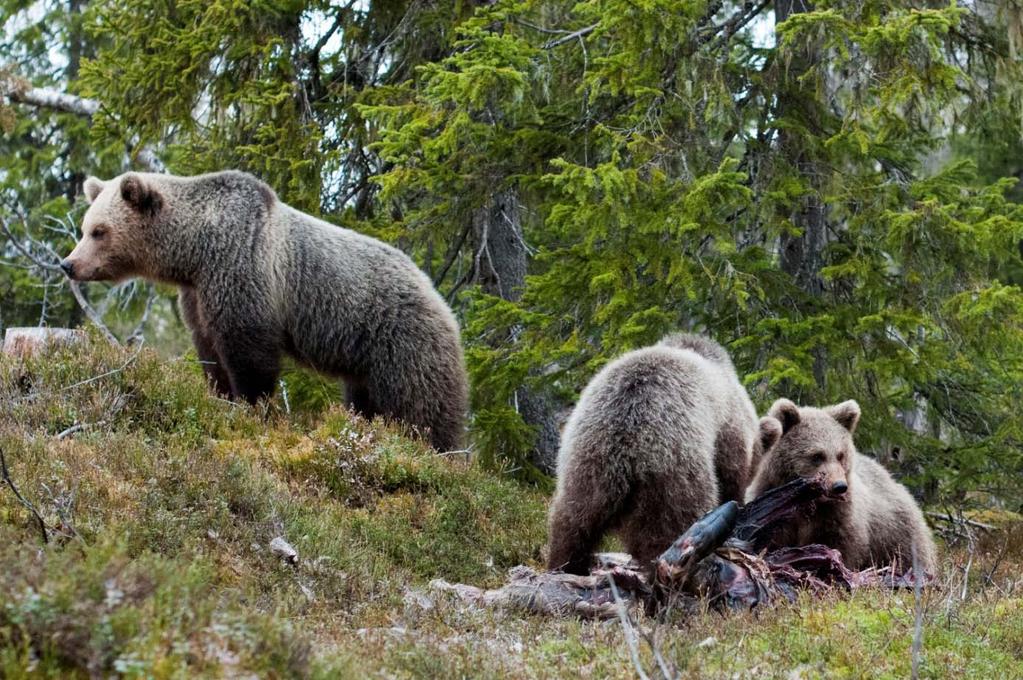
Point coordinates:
pixel 99 232
pixel 841 457
pixel 818 458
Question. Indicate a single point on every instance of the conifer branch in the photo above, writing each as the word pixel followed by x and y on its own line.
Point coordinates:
pixel 749 11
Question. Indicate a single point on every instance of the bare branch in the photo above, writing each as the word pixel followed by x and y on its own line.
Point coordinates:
pixel 726 30
pixel 27 252
pixel 146 157
pixel 54 266
pixel 107 374
pixel 18 91
pixel 571 36
pixel 90 311
pixel 456 248
pixel 918 618
pixel 74 429
pixel 314 53
pixel 136 334
pixel 28 506
pixel 48 98
pixel 284 395
pixel 627 630
pixel 960 521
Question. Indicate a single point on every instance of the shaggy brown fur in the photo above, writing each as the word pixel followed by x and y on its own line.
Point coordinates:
pixel 659 437
pixel 868 516
pixel 259 279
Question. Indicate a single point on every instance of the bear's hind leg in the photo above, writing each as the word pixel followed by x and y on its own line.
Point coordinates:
pixel 212 365
pixel 664 507
pixel 407 393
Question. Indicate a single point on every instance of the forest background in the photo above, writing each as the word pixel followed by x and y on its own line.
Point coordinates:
pixel 830 189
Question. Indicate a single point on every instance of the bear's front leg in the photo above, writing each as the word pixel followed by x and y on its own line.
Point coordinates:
pixel 731 464
pixel 584 508
pixel 252 361
pixel 358 398
pixel 211 362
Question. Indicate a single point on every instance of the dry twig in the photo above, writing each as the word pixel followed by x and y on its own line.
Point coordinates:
pixel 25 502
pixel 959 520
pixel 918 624
pixel 106 374
pixel 631 639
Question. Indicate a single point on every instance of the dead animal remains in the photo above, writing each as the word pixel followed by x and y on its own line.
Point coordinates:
pixel 726 559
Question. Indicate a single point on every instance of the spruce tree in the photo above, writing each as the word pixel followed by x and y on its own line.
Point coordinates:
pixel 817 185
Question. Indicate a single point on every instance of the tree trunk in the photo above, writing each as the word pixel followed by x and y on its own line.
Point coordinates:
pixel 802 254
pixel 75 178
pixel 501 255
pixel 501 262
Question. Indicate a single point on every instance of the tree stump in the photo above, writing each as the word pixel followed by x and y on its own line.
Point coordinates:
pixel 27 341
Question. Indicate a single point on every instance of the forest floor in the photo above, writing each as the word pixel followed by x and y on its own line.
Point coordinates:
pixel 160 503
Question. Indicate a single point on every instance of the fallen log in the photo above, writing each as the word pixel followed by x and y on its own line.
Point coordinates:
pixel 727 560
pixel 556 593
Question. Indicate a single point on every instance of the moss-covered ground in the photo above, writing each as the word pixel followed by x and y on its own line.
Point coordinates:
pixel 162 500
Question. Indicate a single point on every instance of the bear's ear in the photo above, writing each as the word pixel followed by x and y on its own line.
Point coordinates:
pixel 847 414
pixel 140 195
pixel 770 433
pixel 92 188
pixel 786 412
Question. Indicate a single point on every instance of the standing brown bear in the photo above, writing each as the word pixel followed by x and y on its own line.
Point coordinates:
pixel 659 437
pixel 867 516
pixel 258 279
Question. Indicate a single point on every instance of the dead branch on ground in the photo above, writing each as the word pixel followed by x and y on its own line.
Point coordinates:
pixel 21 499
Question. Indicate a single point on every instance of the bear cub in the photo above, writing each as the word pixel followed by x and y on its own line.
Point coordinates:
pixel 659 437
pixel 866 515
pixel 259 279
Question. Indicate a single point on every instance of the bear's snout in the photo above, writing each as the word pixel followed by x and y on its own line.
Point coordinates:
pixel 68 266
pixel 839 488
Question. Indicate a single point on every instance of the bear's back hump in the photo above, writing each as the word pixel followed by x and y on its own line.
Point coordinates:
pixel 884 493
pixel 344 287
pixel 364 266
pixel 893 518
pixel 650 395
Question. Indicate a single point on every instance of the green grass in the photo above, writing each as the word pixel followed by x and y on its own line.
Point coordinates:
pixel 162 509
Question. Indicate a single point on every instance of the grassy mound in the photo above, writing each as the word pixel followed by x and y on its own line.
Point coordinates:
pixel 161 502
